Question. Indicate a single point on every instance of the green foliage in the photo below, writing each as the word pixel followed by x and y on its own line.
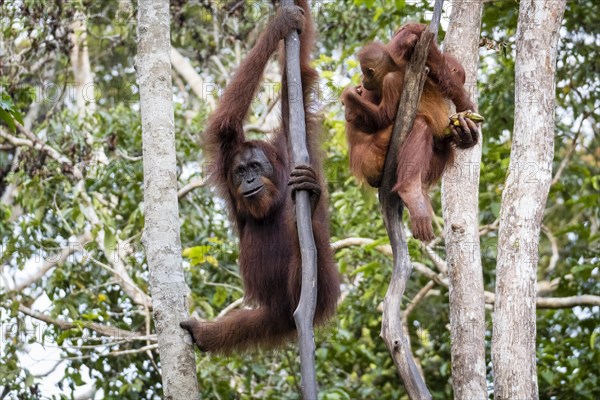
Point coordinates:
pixel 8 112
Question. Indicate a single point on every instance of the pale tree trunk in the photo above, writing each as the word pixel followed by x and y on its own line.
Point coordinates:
pixel 161 233
pixel 85 91
pixel 524 199
pixel 82 71
pixel 460 200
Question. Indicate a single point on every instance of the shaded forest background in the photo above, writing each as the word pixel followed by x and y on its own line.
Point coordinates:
pixel 77 217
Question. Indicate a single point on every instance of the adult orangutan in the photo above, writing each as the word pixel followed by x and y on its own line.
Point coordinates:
pixel 255 178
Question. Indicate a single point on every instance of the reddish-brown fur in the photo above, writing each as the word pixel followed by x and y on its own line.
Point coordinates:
pixel 444 69
pixel 270 263
pixel 371 111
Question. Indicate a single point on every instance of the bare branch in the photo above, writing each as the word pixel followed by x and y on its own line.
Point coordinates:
pixel 354 241
pixel 567 302
pixel 416 300
pixel 115 257
pixel 185 69
pixel 52 153
pixel 489 228
pixel 297 145
pixel 220 65
pixel 543 286
pixel 557 302
pixel 431 274
pixel 392 330
pixel 438 261
pixel 126 283
pixel 123 154
pixel 572 146
pixel 103 330
pixel 232 306
pixel 115 353
pixel 27 132
pixel 196 183
pixel 554 246
pixel 567 157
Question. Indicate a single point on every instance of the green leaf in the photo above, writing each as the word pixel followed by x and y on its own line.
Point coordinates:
pixel 8 119
pixel 366 268
pixel 220 296
pixel 548 376
pixel 110 239
pixel 17 116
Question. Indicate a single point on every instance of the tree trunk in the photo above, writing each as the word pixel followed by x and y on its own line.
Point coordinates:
pixel 524 199
pixel 161 233
pixel 460 200
pixel 82 71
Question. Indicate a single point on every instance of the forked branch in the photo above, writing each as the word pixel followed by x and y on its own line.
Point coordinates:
pixel 391 205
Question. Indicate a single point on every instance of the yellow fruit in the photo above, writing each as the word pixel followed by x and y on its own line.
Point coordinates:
pixel 473 116
pixel 466 114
